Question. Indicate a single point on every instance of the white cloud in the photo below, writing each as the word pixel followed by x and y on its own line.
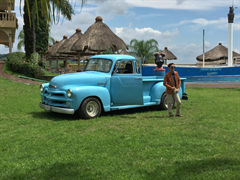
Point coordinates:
pixel 68 28
pixel 163 38
pixel 113 7
pixel 186 54
pixel 109 7
pixel 237 51
pixel 221 23
pixel 180 4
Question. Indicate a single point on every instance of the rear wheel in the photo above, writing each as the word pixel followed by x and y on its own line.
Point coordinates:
pixel 164 104
pixel 90 108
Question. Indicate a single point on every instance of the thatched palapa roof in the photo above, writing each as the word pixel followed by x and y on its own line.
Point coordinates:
pixel 220 52
pixel 168 54
pixel 53 48
pixel 99 37
pixel 67 45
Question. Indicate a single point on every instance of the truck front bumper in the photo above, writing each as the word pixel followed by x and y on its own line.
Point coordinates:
pixel 56 109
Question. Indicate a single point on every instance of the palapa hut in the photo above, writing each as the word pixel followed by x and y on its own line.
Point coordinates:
pixel 48 57
pixel 65 48
pixel 53 52
pixel 215 56
pixel 168 55
pixel 99 37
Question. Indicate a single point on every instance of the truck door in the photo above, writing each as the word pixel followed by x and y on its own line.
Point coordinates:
pixel 126 83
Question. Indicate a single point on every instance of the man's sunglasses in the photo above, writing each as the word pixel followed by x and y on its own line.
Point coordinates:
pixel 173 67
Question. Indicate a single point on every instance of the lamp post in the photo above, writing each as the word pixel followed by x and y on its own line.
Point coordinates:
pixel 230 35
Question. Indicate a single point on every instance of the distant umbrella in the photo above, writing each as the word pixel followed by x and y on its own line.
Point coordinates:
pixel 99 37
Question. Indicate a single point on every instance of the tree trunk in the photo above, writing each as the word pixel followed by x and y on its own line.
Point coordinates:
pixel 34 34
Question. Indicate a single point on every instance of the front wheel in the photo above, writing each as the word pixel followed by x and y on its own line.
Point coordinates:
pixel 164 104
pixel 90 108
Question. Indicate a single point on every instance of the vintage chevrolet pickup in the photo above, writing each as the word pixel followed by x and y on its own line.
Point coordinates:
pixel 109 82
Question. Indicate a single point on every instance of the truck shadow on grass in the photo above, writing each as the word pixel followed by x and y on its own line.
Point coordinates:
pixel 122 113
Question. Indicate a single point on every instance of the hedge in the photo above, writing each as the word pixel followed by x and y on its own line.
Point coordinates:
pixel 16 62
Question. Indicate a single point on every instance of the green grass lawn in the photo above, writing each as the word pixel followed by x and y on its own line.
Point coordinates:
pixel 141 143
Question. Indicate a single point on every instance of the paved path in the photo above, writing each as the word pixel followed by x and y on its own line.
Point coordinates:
pixel 214 85
pixel 3 74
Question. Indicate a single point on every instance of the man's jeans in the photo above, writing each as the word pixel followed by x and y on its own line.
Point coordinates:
pixel 170 98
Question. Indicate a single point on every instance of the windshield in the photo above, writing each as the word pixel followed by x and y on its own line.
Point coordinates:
pixel 101 65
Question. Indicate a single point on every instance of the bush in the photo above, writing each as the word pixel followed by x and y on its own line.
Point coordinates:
pixel 61 63
pixel 16 62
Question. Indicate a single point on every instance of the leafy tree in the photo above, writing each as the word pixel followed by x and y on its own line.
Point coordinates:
pixel 143 50
pixel 110 51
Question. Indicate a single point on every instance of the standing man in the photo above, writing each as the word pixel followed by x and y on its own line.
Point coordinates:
pixel 172 82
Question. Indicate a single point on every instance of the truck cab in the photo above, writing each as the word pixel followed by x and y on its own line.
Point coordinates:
pixel 109 82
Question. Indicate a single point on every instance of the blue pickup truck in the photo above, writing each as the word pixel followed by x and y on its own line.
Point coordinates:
pixel 109 82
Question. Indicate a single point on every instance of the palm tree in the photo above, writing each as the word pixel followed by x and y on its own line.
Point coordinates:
pixel 51 9
pixel 143 50
pixel 36 29
pixel 21 43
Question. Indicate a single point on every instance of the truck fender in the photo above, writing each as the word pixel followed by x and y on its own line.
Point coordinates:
pixel 83 92
pixel 157 91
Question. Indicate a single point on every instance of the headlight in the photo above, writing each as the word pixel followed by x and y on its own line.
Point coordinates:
pixel 69 92
pixel 41 88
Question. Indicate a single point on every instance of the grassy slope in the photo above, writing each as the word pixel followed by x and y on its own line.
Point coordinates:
pixel 141 144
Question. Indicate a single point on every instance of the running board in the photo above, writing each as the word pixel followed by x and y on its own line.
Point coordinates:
pixel 132 106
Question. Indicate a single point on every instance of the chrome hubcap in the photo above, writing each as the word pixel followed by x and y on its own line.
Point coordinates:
pixel 92 108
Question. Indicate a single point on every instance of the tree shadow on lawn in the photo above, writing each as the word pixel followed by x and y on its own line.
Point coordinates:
pixel 122 113
pixel 208 169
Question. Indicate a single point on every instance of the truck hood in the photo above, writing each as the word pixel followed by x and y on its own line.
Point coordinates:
pixel 88 78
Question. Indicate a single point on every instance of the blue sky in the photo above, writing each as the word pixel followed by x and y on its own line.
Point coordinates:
pixel 176 24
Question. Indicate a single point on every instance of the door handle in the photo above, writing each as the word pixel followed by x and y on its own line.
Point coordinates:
pixel 139 78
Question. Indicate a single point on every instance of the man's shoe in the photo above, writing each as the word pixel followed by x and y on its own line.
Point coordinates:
pixel 171 116
pixel 179 115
